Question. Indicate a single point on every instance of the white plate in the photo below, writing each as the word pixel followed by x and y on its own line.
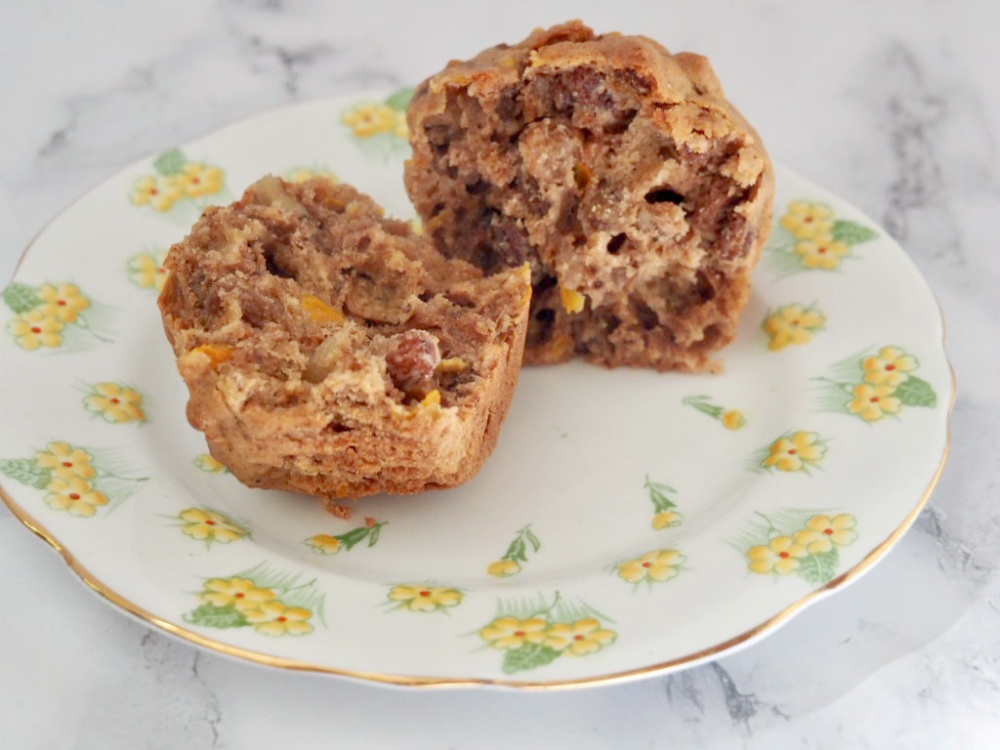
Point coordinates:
pixel 636 529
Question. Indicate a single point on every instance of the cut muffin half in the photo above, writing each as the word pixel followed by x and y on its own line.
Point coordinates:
pixel 331 351
pixel 636 191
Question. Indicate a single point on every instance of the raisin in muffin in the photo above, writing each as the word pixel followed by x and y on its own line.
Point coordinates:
pixel 331 351
pixel 639 195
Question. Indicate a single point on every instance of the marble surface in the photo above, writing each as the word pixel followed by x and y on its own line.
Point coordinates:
pixel 894 107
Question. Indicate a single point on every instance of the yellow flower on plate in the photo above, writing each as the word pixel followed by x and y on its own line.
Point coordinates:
pixel 275 618
pixel 579 638
pixel 159 193
pixel 511 632
pixel 174 188
pixel 658 565
pixel 792 325
pixel 781 555
pixel 369 118
pixel 64 301
pixel 211 526
pixel 115 403
pixel 201 179
pixel 823 533
pixel 821 252
pixel 733 419
pixel 323 544
pixel 667 519
pixel 807 220
pixel 873 402
pixel 425 598
pixel 890 367
pixel 304 174
pixel 147 270
pixel 146 190
pixel 66 462
pixel 34 329
pixel 504 568
pixel 796 452
pixel 242 593
pixel 75 495
pixel 209 464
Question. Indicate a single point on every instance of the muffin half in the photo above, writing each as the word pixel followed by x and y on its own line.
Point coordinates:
pixel 331 351
pixel 636 191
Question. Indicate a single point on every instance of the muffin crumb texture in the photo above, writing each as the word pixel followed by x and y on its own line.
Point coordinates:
pixel 638 195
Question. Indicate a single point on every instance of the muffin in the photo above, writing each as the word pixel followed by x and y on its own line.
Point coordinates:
pixel 638 194
pixel 331 351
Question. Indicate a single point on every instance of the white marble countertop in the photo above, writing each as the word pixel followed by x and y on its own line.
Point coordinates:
pixel 892 107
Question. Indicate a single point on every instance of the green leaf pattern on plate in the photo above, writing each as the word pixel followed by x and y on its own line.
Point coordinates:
pixel 21 298
pixel 851 233
pixel 665 512
pixel 26 471
pixel 517 553
pixel 331 544
pixel 731 419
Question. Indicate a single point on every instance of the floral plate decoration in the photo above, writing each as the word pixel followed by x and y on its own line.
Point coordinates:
pixel 716 503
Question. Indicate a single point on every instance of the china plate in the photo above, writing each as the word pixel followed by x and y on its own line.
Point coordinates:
pixel 628 523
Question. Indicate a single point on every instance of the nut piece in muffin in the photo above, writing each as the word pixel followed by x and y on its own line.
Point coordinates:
pixel 331 351
pixel 638 194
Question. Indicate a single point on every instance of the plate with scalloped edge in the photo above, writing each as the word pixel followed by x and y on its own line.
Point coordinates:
pixel 628 523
